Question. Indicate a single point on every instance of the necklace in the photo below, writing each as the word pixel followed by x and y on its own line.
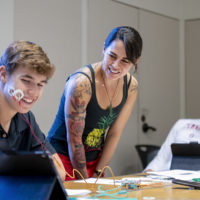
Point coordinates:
pixel 110 99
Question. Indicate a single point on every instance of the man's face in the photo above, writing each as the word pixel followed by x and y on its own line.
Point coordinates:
pixel 27 82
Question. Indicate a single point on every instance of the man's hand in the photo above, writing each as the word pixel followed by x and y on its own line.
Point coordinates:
pixel 59 166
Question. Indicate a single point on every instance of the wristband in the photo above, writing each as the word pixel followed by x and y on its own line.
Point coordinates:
pixel 98 172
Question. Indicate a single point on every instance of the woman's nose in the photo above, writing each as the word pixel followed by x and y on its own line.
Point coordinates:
pixel 116 63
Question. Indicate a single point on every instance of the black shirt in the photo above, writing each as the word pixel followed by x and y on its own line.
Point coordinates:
pixel 24 135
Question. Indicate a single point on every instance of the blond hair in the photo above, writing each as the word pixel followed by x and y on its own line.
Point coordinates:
pixel 27 54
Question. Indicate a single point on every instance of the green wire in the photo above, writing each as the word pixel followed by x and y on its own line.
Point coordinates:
pixel 114 195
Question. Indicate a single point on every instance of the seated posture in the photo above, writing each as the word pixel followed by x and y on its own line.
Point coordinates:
pixel 96 105
pixel 184 131
pixel 24 70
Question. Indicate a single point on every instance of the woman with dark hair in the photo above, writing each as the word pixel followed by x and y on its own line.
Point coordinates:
pixel 96 104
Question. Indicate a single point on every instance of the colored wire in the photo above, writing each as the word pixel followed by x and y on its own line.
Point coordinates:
pixel 61 166
pixel 33 133
pixel 102 171
pixel 103 192
pixel 112 195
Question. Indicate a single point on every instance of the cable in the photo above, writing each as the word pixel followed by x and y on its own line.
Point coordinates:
pixel 61 166
pixel 102 171
pixel 134 186
pixel 112 195
pixel 33 133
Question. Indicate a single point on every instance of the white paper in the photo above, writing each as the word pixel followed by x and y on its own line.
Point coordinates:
pixel 77 192
pixel 144 180
pixel 100 181
pixel 177 174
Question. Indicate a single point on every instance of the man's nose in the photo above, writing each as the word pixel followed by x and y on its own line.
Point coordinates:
pixel 33 89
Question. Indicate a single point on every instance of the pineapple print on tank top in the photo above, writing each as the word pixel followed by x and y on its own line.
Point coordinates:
pixel 94 138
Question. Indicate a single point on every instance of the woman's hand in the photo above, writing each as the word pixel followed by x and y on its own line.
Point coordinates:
pixel 94 175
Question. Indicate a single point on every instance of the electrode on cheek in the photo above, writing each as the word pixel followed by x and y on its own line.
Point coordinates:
pixel 11 91
pixel 16 94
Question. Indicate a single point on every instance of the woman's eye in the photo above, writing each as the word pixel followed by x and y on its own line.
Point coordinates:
pixel 112 56
pixel 125 61
pixel 40 85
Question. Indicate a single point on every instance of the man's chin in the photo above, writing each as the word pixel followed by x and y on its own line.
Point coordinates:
pixel 24 110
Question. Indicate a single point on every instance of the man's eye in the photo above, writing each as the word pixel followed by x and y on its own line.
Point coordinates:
pixel 25 81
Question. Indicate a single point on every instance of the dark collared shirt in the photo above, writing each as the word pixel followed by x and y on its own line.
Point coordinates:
pixel 24 135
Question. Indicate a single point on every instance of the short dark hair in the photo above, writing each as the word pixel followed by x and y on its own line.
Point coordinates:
pixel 27 54
pixel 131 39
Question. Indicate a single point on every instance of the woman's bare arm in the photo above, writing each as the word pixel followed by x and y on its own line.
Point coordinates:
pixel 77 96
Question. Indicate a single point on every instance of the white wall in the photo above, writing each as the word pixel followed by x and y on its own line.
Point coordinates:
pixel 190 9
pixel 179 9
pixel 6 22
pixel 165 7
pixel 57 28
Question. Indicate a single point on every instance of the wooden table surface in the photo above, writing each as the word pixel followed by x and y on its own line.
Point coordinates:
pixel 163 191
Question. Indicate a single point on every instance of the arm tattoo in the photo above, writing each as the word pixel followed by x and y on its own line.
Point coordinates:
pixel 76 130
pixel 76 127
pixel 79 110
pixel 76 119
pixel 84 86
pixel 133 88
pixel 80 156
pixel 78 106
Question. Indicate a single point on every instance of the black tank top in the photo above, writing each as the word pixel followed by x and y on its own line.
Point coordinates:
pixel 97 122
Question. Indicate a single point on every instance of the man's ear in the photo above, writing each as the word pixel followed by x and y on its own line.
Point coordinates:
pixel 3 74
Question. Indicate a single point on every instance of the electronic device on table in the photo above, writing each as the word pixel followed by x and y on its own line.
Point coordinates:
pixel 185 156
pixel 29 175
